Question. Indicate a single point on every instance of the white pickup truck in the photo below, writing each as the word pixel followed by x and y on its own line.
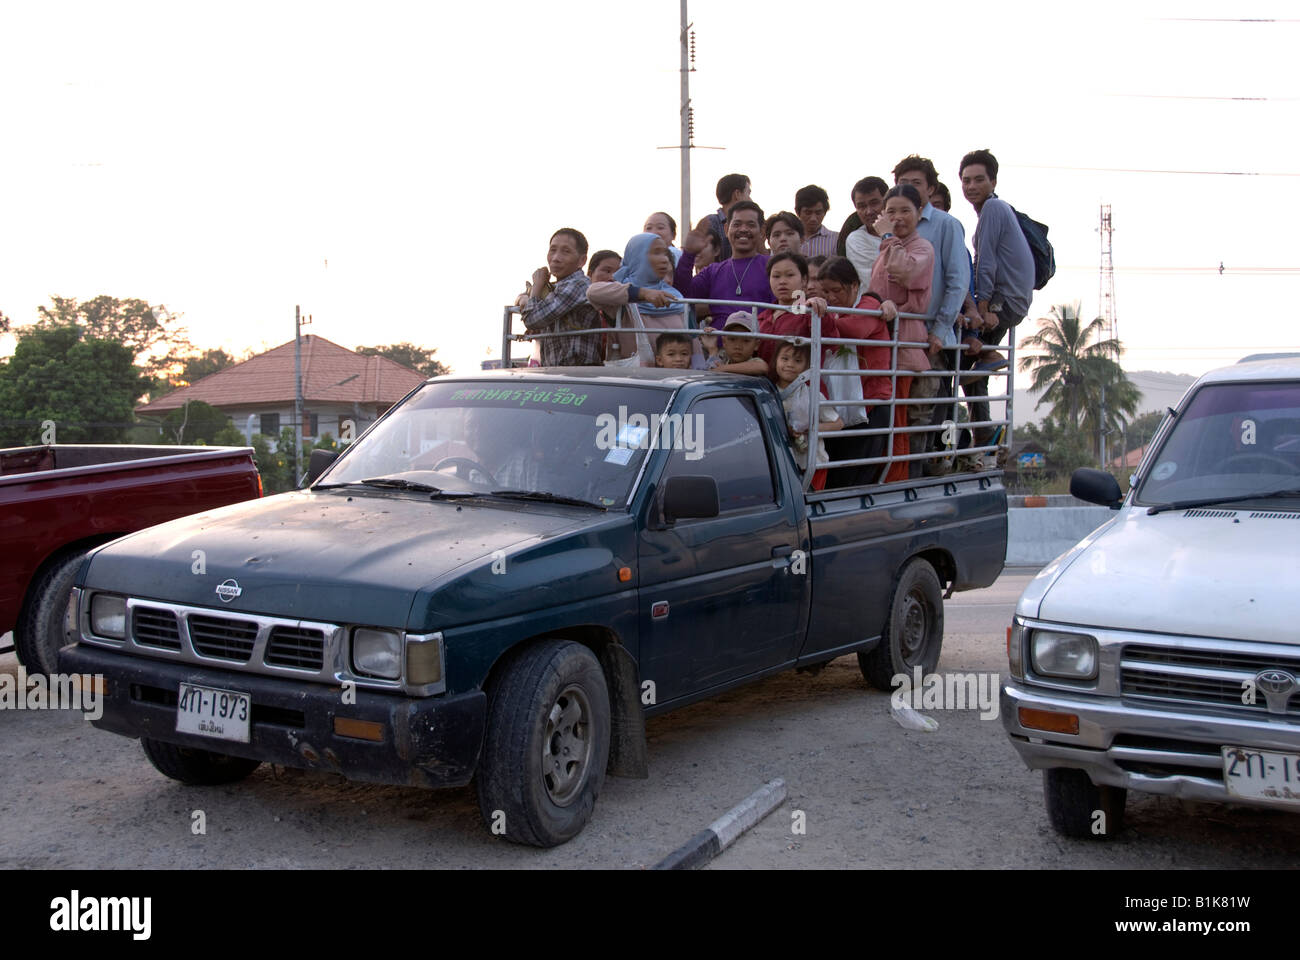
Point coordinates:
pixel 1162 653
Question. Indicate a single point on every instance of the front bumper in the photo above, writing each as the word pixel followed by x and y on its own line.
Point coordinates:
pixel 426 742
pixel 1171 752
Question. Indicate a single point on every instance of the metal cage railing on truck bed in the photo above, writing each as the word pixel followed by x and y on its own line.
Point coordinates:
pixel 949 428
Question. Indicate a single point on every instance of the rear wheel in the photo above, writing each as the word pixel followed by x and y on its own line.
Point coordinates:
pixel 547 744
pixel 43 632
pixel 913 633
pixel 1077 807
pixel 196 767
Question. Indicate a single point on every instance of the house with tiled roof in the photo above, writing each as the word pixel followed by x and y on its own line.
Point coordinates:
pixel 338 385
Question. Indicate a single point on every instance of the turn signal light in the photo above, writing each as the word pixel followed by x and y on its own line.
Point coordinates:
pixel 1051 722
pixel 358 729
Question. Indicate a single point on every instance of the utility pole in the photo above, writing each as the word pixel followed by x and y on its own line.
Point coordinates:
pixel 1102 426
pixel 297 393
pixel 688 54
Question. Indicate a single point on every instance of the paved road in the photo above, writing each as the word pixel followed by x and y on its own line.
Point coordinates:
pixel 871 793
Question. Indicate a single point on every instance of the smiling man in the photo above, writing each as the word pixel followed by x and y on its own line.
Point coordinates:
pixel 563 308
pixel 743 276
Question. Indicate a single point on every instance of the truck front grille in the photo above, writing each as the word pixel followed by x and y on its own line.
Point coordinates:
pixel 1216 678
pixel 223 639
pixel 151 627
pixel 296 647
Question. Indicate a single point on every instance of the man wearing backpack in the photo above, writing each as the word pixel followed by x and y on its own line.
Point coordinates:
pixel 1004 274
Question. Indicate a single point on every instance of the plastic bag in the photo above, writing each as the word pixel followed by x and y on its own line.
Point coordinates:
pixel 909 719
pixel 845 357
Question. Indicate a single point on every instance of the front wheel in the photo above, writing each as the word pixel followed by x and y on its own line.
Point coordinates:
pixel 1077 807
pixel 43 631
pixel 913 633
pixel 547 744
pixel 196 767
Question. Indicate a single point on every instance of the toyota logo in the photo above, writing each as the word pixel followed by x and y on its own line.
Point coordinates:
pixel 1277 686
pixel 227 590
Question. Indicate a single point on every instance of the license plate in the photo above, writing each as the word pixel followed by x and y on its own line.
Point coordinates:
pixel 209 712
pixel 1260 775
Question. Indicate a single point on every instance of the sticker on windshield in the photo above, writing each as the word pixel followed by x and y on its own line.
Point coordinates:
pixel 561 396
pixel 1164 471
pixel 619 455
pixel 631 436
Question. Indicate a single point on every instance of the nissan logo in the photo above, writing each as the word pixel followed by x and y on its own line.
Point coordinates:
pixel 227 590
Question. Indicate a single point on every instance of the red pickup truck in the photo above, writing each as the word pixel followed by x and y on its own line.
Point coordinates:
pixel 57 503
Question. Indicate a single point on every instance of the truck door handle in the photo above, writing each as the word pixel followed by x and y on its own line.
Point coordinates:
pixel 782 551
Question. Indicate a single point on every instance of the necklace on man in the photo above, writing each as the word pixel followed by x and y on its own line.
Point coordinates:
pixel 740 279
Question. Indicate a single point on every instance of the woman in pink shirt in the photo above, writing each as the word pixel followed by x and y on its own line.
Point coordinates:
pixel 903 273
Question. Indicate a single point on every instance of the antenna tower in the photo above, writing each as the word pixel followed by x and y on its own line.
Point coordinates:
pixel 1106 283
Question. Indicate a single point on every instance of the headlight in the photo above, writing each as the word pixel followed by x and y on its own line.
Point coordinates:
pixel 377 653
pixel 1070 655
pixel 108 616
pixel 1016 649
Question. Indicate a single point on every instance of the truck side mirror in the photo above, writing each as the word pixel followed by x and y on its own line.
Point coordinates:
pixel 320 460
pixel 1096 486
pixel 687 498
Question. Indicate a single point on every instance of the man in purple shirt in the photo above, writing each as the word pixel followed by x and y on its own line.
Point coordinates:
pixel 743 276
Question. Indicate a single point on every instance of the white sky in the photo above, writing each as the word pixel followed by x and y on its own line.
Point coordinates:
pixel 213 157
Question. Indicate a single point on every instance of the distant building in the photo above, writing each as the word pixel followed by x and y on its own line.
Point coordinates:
pixel 338 385
pixel 1130 460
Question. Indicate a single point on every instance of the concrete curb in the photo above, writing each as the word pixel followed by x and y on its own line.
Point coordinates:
pixel 720 834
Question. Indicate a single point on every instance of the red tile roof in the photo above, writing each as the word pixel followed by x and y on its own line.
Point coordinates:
pixel 1132 460
pixel 268 379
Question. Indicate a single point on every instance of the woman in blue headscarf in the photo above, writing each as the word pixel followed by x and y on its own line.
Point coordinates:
pixel 643 285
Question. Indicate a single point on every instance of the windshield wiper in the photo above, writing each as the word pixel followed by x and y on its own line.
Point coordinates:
pixel 392 483
pixel 1213 501
pixel 541 496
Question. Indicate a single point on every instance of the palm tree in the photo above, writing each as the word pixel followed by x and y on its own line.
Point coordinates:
pixel 1074 366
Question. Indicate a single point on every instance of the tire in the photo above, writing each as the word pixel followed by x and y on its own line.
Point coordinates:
pixel 913 633
pixel 196 767
pixel 547 744
pixel 42 633
pixel 1073 802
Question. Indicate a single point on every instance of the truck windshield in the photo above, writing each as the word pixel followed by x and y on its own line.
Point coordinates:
pixel 1233 441
pixel 579 441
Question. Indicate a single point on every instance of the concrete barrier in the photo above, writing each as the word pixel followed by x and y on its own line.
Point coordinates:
pixel 1037 535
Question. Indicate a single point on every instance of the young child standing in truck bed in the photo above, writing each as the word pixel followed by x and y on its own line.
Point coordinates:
pixel 797 396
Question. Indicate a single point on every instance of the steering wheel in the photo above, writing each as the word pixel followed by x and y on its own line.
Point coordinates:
pixel 1289 467
pixel 464 462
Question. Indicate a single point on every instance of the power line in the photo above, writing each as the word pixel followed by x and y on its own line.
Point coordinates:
pixel 1178 96
pixel 1194 173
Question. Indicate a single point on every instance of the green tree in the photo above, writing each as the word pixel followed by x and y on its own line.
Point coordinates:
pixel 410 356
pixel 86 386
pixel 181 370
pixel 194 422
pixel 276 467
pixel 135 324
pixel 1077 371
pixel 1142 429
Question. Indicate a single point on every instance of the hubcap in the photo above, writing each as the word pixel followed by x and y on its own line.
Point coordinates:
pixel 566 746
pixel 913 629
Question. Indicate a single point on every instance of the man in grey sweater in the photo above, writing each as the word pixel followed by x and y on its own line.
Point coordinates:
pixel 1004 273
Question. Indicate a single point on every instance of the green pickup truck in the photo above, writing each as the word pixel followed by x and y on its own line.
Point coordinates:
pixel 505 576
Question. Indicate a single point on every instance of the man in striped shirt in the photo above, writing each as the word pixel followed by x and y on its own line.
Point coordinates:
pixel 811 204
pixel 563 308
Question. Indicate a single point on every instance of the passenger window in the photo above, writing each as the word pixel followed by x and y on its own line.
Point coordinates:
pixel 723 438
